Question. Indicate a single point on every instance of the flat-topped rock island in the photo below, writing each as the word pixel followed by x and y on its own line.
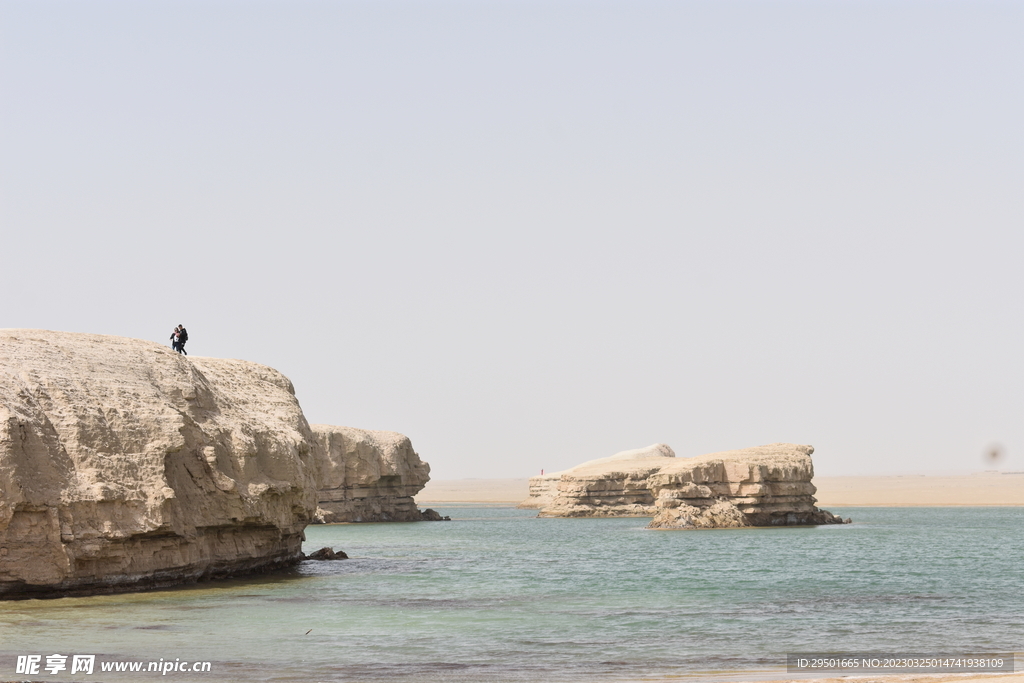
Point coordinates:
pixel 544 489
pixel 763 486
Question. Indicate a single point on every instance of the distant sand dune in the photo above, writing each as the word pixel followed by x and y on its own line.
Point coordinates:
pixel 986 488
pixel 475 491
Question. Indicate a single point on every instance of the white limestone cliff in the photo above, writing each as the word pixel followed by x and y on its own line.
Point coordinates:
pixel 367 476
pixel 544 488
pixel 124 465
pixel 763 486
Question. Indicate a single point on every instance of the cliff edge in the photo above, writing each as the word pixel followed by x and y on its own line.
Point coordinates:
pixel 367 476
pixel 124 465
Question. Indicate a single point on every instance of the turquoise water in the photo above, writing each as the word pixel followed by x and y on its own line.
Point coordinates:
pixel 500 595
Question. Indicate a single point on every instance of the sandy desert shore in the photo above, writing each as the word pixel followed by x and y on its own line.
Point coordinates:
pixel 474 491
pixel 983 488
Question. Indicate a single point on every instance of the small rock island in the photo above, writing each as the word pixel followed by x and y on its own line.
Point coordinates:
pixel 763 486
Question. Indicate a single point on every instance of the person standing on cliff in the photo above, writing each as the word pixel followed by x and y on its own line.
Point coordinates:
pixel 182 338
pixel 175 338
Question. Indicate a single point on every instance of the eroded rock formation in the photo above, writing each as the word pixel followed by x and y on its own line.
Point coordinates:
pixel 544 488
pixel 124 465
pixel 368 476
pixel 763 486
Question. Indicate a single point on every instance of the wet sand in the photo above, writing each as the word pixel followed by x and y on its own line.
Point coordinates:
pixel 984 488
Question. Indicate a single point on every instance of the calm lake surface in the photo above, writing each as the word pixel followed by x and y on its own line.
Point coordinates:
pixel 500 595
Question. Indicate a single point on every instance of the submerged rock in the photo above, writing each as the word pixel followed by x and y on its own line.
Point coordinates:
pixel 431 515
pixel 124 465
pixel 367 476
pixel 762 486
pixel 326 553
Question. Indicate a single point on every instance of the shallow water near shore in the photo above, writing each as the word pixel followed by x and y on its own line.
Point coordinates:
pixel 500 595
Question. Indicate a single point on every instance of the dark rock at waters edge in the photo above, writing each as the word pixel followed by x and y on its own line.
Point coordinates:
pixel 811 518
pixel 413 515
pixel 327 554
pixel 159 580
pixel 724 514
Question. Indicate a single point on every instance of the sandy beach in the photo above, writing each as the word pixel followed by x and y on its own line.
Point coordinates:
pixel 983 488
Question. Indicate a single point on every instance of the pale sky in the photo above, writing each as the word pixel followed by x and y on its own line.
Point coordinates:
pixel 528 234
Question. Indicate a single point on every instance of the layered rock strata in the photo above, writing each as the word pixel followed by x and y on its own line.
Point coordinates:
pixel 367 476
pixel 763 486
pixel 124 465
pixel 544 488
